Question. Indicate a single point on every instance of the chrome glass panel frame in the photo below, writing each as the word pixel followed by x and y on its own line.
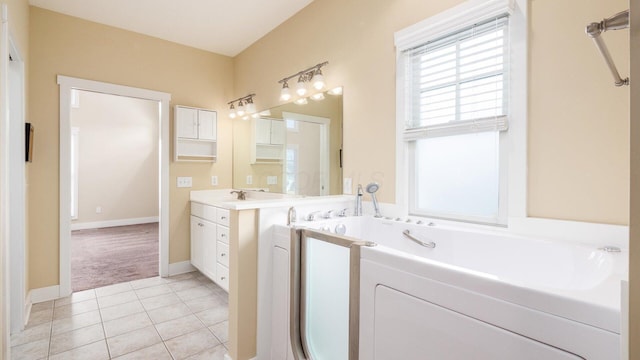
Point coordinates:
pixel 298 288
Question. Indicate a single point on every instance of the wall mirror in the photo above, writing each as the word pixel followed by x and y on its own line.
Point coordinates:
pixel 292 149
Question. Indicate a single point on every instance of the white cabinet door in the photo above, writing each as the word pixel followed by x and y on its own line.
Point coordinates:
pixel 278 133
pixel 197 234
pixel 186 122
pixel 209 256
pixel 207 125
pixel 263 131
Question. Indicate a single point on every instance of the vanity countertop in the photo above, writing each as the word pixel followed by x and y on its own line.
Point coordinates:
pixel 257 199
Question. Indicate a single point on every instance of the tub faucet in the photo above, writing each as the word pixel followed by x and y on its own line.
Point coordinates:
pixel 312 216
pixel 358 207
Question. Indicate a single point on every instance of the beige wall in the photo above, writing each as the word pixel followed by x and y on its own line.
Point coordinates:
pixel 69 46
pixel 118 157
pixel 578 146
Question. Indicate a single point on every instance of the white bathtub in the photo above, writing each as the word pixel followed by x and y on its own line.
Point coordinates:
pixel 496 296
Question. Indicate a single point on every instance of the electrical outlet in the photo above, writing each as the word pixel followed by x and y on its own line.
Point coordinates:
pixel 98 209
pixel 214 180
pixel 272 180
pixel 347 186
pixel 249 179
pixel 184 181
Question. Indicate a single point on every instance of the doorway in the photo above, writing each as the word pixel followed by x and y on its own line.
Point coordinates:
pixel 306 172
pixel 114 189
pixel 67 86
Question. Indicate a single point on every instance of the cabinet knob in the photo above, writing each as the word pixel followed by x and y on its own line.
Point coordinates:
pixel 223 278
pixel 223 254
pixel 223 235
pixel 223 217
pixel 200 224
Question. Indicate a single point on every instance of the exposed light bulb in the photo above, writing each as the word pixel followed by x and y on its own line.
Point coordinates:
pixel 251 107
pixel 335 91
pixel 256 116
pixel 245 118
pixel 285 93
pixel 318 80
pixel 232 111
pixel 301 87
pixel 240 110
pixel 317 96
pixel 301 101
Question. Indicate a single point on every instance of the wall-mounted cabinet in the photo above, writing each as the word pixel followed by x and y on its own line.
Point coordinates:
pixel 196 133
pixel 269 137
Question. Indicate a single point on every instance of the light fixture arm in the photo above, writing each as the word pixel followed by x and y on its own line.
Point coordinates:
pixel 306 74
pixel 246 98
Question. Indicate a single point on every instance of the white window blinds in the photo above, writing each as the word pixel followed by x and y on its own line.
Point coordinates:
pixel 458 83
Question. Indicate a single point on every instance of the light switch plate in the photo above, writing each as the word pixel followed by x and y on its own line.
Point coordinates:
pixel 272 180
pixel 347 185
pixel 249 179
pixel 214 180
pixel 184 181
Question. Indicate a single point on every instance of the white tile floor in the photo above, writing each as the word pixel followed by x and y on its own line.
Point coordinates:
pixel 181 317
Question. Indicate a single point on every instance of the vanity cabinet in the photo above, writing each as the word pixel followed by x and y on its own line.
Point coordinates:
pixel 196 133
pixel 269 137
pixel 210 242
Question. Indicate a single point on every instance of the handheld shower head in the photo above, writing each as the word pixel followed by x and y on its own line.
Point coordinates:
pixel 372 189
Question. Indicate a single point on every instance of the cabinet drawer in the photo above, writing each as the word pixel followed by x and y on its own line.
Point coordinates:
pixel 223 253
pixel 204 211
pixel 222 277
pixel 222 216
pixel 223 234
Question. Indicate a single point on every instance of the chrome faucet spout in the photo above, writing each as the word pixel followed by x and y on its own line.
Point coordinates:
pixel 357 211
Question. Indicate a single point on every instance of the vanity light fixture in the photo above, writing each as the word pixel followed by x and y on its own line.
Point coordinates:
pixel 245 106
pixel 312 75
pixel 317 96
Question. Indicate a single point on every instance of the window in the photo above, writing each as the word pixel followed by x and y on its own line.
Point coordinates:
pixel 454 91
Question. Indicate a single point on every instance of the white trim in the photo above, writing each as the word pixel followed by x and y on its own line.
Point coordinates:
pixel 45 294
pixel 112 223
pixel 451 20
pixel 465 14
pixel 27 308
pixel 66 84
pixel 182 267
pixel 5 279
pixel 75 164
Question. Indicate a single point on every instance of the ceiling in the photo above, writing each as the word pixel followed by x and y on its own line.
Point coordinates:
pixel 221 26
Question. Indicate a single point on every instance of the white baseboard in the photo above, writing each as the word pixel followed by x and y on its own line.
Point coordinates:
pixel 180 268
pixel 44 294
pixel 27 308
pixel 112 223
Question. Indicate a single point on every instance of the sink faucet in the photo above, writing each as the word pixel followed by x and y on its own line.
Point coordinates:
pixel 242 195
pixel 291 216
pixel 312 216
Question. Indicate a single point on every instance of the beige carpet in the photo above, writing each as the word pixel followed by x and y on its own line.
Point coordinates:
pixel 106 256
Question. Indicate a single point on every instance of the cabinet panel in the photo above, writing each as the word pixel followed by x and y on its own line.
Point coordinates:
pixel 222 276
pixel 207 121
pixel 222 216
pixel 223 234
pixel 197 234
pixel 186 122
pixel 209 257
pixel 278 133
pixel 263 131
pixel 222 250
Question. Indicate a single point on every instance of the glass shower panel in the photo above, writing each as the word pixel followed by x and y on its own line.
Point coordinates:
pixel 326 300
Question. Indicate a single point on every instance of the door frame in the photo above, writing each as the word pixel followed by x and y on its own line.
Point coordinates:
pixel 66 84
pixel 325 147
